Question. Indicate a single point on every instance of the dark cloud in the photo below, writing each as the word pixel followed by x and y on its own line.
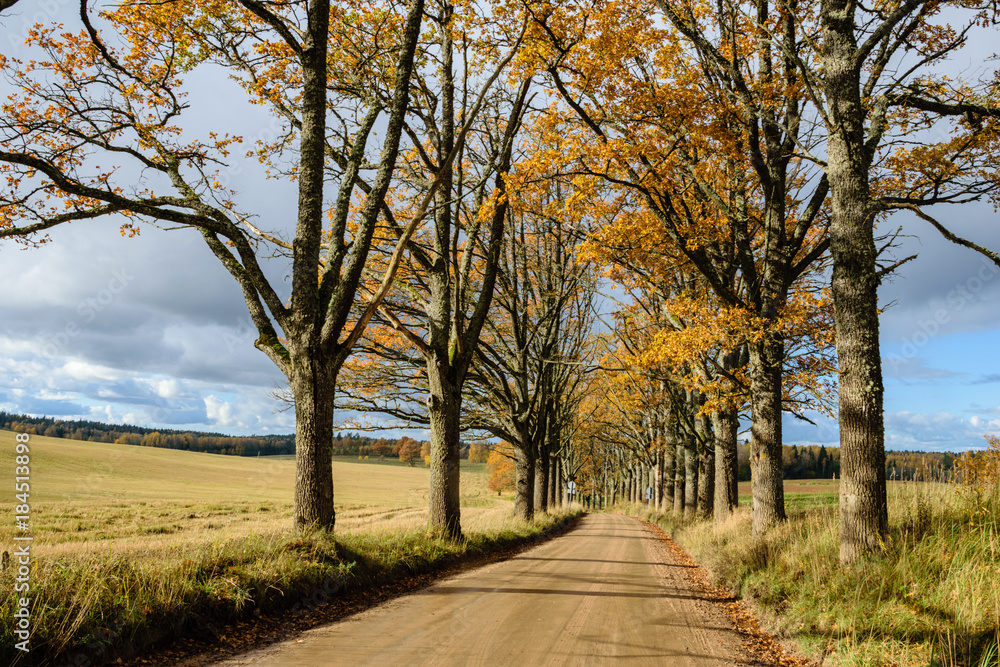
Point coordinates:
pixel 50 407
pixel 947 288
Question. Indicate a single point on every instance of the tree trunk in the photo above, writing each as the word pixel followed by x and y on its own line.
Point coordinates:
pixel 524 484
pixel 648 487
pixel 690 475
pixel 864 517
pixel 549 445
pixel 706 480
pixel 556 480
pixel 658 486
pixel 679 474
pixel 669 456
pixel 706 467
pixel 444 411
pixel 725 425
pixel 765 445
pixel 553 480
pixel 313 383
pixel 542 480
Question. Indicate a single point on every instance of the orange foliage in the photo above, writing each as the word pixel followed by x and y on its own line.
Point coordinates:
pixel 500 467
pixel 409 452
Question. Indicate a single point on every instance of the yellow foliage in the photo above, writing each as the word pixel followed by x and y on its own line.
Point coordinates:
pixel 500 467
pixel 980 471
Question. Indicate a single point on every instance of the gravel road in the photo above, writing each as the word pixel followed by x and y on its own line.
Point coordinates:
pixel 607 592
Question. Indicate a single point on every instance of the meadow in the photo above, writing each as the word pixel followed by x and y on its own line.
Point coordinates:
pixel 133 544
pixel 931 598
pixel 801 494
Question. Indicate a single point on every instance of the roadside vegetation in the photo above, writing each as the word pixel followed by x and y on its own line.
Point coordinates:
pixel 134 546
pixel 929 598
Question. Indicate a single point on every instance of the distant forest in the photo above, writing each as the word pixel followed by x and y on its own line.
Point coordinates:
pixel 800 461
pixel 818 462
pixel 344 444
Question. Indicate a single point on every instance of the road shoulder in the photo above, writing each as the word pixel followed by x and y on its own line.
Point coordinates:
pixel 757 645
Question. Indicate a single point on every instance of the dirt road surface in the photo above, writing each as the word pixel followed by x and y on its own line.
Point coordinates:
pixel 608 592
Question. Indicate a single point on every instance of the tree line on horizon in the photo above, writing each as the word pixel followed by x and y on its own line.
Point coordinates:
pixel 343 444
pixel 799 461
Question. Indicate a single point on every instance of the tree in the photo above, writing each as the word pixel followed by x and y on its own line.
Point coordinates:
pixel 500 468
pixel 535 342
pixel 479 452
pixel 445 285
pixel 678 335
pixel 410 451
pixel 393 376
pixel 381 448
pixel 868 102
pixel 687 349
pixel 91 102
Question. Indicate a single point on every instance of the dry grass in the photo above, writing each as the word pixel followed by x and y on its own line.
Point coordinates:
pixel 142 499
pixel 133 542
pixel 931 598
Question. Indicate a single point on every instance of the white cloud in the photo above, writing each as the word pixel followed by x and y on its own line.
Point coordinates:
pixel 47 395
pixel 913 368
pixel 937 431
pixel 166 388
pixel 82 370
pixel 219 412
pixel 103 413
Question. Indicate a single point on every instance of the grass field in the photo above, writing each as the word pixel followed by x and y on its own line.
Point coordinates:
pixel 84 492
pixel 130 542
pixel 931 598
pixel 393 461
pixel 801 494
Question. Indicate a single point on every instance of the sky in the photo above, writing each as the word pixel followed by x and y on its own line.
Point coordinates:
pixel 152 331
